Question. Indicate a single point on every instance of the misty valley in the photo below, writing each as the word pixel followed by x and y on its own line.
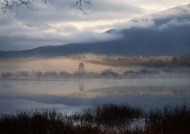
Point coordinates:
pixel 93 94
pixel 69 84
pixel 94 67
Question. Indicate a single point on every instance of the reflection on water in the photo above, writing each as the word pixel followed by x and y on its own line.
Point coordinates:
pixel 5 85
pixel 81 85
pixel 73 94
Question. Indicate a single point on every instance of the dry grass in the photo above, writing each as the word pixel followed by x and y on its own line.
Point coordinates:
pixel 102 119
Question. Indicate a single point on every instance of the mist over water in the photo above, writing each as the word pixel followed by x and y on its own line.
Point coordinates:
pixel 146 87
pixel 74 94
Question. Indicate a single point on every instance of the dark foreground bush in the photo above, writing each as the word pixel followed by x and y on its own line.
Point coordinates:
pixel 170 120
pixel 102 119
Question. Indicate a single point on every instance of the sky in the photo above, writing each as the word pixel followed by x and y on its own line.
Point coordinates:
pixel 57 23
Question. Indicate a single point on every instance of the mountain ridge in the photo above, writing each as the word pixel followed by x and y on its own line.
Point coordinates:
pixel 165 33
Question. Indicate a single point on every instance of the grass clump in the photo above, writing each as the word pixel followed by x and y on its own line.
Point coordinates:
pixel 101 119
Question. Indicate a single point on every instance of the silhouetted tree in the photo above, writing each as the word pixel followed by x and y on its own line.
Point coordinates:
pixel 50 73
pixel 82 5
pixel 109 73
pixel 129 73
pixel 6 75
pixel 174 60
pixel 63 73
pixel 38 74
pixel 23 73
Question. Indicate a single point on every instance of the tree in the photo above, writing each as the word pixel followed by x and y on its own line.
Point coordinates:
pixel 63 73
pixel 109 73
pixel 6 75
pixel 50 73
pixel 38 74
pixel 82 5
pixel 13 5
pixel 23 73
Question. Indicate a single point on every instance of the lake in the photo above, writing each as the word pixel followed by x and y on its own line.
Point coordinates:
pixel 73 95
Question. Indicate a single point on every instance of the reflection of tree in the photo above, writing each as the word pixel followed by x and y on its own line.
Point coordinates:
pixel 81 85
pixel 6 85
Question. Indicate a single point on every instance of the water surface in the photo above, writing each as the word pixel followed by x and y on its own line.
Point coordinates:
pixel 72 95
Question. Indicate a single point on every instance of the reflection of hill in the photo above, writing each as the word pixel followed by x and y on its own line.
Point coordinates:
pixel 141 90
pixel 143 96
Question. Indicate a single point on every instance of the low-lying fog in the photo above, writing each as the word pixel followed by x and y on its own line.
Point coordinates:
pixel 72 94
pixel 51 64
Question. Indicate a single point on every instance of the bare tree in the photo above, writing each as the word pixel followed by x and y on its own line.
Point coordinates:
pixel 13 5
pixel 6 75
pixel 82 5
pixel 38 74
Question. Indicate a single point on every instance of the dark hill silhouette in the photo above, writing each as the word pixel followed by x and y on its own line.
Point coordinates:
pixel 168 35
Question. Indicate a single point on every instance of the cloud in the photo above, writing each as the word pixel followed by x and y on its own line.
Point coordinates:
pixel 58 23
pixel 19 35
pixel 138 23
pixel 172 23
pixel 60 10
pixel 173 12
pixel 161 20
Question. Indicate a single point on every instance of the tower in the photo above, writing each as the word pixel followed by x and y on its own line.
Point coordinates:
pixel 81 67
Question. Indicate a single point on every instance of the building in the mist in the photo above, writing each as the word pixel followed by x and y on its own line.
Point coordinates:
pixel 81 67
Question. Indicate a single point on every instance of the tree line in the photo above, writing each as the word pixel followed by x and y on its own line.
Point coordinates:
pixel 107 73
pixel 147 61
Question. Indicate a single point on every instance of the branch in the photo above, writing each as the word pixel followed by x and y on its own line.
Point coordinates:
pixel 13 5
pixel 82 5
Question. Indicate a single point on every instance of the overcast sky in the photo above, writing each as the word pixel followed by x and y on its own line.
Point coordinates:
pixel 58 23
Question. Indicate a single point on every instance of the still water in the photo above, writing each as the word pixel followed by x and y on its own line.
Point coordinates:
pixel 72 95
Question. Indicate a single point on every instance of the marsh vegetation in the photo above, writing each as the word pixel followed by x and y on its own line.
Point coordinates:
pixel 101 119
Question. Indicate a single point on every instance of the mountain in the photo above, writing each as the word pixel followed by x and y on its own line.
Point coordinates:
pixel 163 33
